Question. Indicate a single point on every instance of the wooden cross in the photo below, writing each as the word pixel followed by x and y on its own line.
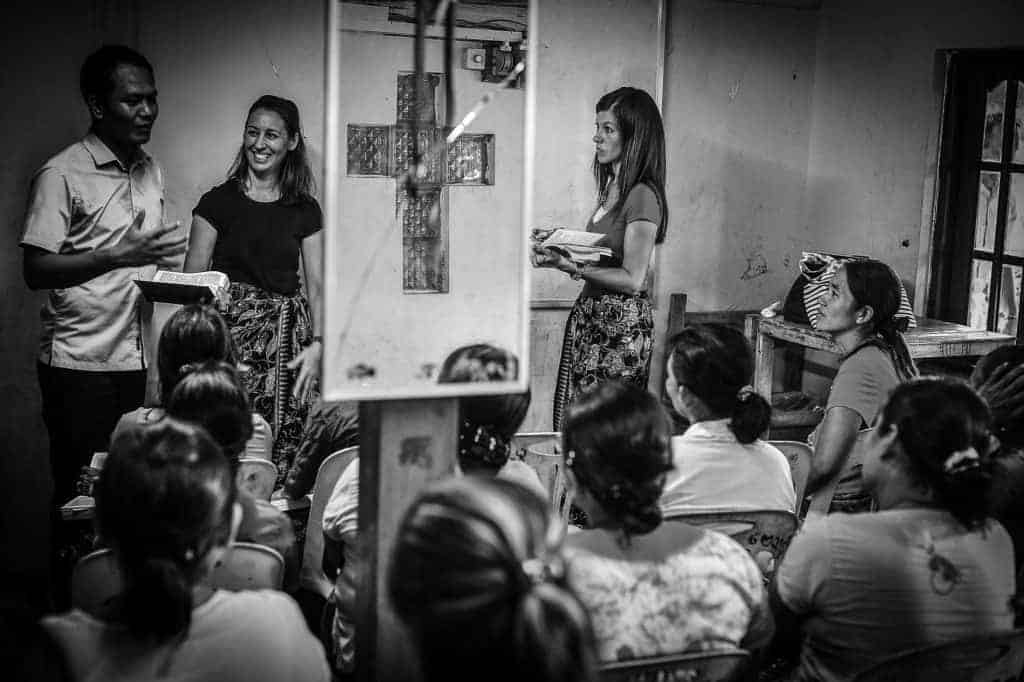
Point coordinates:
pixel 388 151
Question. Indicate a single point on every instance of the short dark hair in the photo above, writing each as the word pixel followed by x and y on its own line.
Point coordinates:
pixel 97 75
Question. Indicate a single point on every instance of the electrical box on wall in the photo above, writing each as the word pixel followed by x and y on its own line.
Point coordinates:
pixel 499 60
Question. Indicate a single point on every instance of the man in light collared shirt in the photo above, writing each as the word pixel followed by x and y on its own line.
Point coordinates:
pixel 94 223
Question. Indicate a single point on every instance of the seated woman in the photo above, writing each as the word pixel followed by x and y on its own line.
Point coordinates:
pixel 166 504
pixel 859 312
pixel 194 334
pixel 486 427
pixel 720 461
pixel 212 396
pixel 651 588
pixel 478 578
pixel 999 378
pixel 929 567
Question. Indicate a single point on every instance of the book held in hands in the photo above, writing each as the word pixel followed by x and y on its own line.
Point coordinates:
pixel 186 287
pixel 578 246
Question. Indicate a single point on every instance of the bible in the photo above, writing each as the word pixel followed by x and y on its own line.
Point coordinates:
pixel 578 246
pixel 185 287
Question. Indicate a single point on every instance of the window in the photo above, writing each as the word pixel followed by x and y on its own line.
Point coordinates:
pixel 978 261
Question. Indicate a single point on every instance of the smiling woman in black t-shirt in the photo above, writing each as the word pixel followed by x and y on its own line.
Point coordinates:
pixel 254 228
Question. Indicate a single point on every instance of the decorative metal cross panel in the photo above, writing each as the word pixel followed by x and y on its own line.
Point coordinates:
pixel 387 151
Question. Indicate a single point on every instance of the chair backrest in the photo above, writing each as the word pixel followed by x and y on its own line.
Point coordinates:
pixel 991 658
pixel 706 666
pixel 96 581
pixel 248 566
pixel 257 476
pixel 311 573
pixel 764 533
pixel 799 456
pixel 541 451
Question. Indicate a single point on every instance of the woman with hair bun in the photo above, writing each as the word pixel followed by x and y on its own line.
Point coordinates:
pixel 720 461
pixel 478 578
pixel 486 426
pixel 652 588
pixel 193 335
pixel 930 566
pixel 211 395
pixel 860 314
pixel 166 505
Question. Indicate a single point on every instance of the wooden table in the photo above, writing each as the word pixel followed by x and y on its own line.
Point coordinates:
pixel 929 339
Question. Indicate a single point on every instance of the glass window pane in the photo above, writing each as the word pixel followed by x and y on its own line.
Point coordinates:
pixel 988 200
pixel 1014 242
pixel 1018 127
pixel 992 139
pixel 977 307
pixel 1009 300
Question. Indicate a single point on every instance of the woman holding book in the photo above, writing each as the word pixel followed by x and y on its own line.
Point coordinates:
pixel 609 333
pixel 254 228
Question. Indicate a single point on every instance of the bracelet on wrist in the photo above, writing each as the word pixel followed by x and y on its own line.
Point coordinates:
pixel 578 274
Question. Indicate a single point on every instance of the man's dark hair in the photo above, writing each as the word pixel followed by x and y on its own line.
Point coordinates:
pixel 97 75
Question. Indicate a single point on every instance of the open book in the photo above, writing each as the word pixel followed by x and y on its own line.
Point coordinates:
pixel 185 287
pixel 577 245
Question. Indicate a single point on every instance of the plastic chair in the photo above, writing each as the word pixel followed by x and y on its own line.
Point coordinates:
pixel 541 452
pixel 704 666
pixel 799 456
pixel 248 566
pixel 256 476
pixel 311 574
pixel 764 533
pixel 990 658
pixel 96 581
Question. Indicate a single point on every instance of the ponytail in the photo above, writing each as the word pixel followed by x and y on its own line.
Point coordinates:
pixel 164 501
pixel 552 635
pixel 751 415
pixel 942 426
pixel 891 334
pixel 478 577
pixel 157 602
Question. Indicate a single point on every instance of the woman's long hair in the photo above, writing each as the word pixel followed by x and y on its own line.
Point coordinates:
pixel 873 283
pixel 165 499
pixel 478 577
pixel 942 426
pixel 296 179
pixel 714 362
pixel 615 439
pixel 643 148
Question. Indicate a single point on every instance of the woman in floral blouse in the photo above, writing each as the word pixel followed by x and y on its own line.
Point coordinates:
pixel 652 588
